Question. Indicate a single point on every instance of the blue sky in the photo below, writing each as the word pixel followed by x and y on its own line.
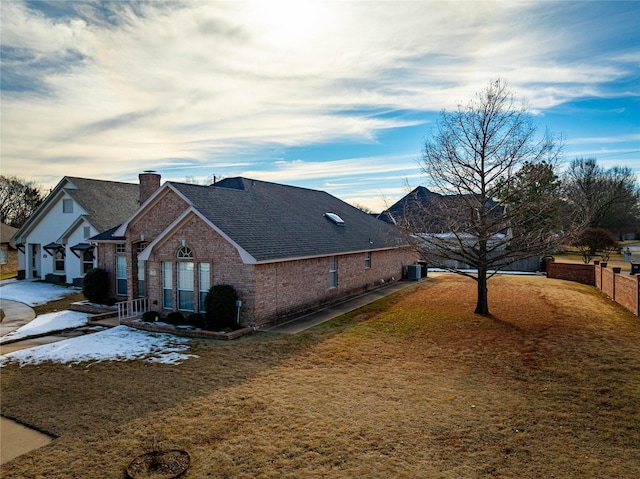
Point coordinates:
pixel 337 96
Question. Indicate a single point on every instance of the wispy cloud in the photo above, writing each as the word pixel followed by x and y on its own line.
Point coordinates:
pixel 118 87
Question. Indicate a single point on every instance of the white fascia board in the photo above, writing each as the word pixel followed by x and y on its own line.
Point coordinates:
pixel 74 226
pixel 244 255
pixel 122 230
pixel 42 210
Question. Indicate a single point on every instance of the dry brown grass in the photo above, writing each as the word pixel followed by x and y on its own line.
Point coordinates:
pixel 615 261
pixel 413 386
pixel 59 304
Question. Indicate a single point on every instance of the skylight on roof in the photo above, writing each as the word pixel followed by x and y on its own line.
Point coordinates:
pixel 335 218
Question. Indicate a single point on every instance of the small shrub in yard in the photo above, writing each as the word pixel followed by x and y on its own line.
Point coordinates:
pixel 95 286
pixel 150 316
pixel 175 317
pixel 221 307
pixel 196 320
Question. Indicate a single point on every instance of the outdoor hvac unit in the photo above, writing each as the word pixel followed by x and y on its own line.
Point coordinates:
pixel 414 272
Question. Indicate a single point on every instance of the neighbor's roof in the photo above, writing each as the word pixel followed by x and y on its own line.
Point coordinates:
pixel 273 221
pixel 409 204
pixel 6 232
pixel 108 203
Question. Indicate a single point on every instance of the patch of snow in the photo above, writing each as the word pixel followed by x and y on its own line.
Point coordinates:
pixel 116 344
pixel 34 293
pixel 47 323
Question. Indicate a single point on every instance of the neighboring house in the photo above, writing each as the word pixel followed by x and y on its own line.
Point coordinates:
pixel 54 243
pixel 284 249
pixel 8 252
pixel 424 213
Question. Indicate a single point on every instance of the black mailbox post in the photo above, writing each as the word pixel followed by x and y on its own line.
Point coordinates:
pixel 635 267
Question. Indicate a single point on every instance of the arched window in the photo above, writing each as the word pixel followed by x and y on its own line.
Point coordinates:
pixel 185 253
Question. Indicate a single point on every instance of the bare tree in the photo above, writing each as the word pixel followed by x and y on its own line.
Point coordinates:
pixel 18 199
pixel 498 195
pixel 604 198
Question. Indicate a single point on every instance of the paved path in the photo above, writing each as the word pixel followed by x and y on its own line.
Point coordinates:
pixel 312 319
pixel 16 315
pixel 16 439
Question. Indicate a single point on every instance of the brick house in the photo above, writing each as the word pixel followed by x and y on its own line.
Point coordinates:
pixel 284 249
pixel 8 252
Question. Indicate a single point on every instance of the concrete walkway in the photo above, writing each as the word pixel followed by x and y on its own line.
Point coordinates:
pixel 16 439
pixel 312 319
pixel 16 315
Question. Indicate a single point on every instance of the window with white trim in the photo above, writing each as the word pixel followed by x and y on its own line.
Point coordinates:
pixel 185 253
pixel 58 261
pixel 185 285
pixel 87 261
pixel 333 272
pixel 167 285
pixel 67 206
pixel 204 284
pixel 121 275
pixel 3 256
pixel 142 285
pixel 367 260
pixel 86 230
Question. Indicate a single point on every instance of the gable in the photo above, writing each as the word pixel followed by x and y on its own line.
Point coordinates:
pixel 106 203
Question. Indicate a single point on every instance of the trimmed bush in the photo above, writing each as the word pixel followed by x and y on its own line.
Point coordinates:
pixel 150 316
pixel 175 317
pixel 221 307
pixel 95 286
pixel 196 320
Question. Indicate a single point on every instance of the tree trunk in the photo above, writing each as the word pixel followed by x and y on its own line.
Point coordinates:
pixel 482 305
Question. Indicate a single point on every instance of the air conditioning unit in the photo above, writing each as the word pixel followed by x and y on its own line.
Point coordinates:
pixel 414 272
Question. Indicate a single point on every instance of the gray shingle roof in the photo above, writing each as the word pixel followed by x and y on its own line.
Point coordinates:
pixel 109 203
pixel 6 232
pixel 272 221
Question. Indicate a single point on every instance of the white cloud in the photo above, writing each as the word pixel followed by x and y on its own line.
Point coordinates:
pixel 206 81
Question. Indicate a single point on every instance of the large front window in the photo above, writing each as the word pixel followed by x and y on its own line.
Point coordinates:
pixel 167 285
pixel 185 286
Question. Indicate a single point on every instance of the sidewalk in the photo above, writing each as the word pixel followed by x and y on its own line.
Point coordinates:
pixel 16 315
pixel 312 319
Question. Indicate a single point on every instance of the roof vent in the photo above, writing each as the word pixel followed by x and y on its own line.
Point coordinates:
pixel 335 218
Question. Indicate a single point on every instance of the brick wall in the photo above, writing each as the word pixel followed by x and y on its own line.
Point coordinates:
pixel 11 266
pixel 207 246
pixel 606 281
pixel 628 292
pixel 623 289
pixel 580 273
pixel 287 288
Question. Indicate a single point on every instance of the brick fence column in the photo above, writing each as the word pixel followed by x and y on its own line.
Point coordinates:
pixel 638 294
pixel 616 275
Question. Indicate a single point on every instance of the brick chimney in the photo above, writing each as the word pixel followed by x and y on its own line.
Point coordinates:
pixel 149 183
